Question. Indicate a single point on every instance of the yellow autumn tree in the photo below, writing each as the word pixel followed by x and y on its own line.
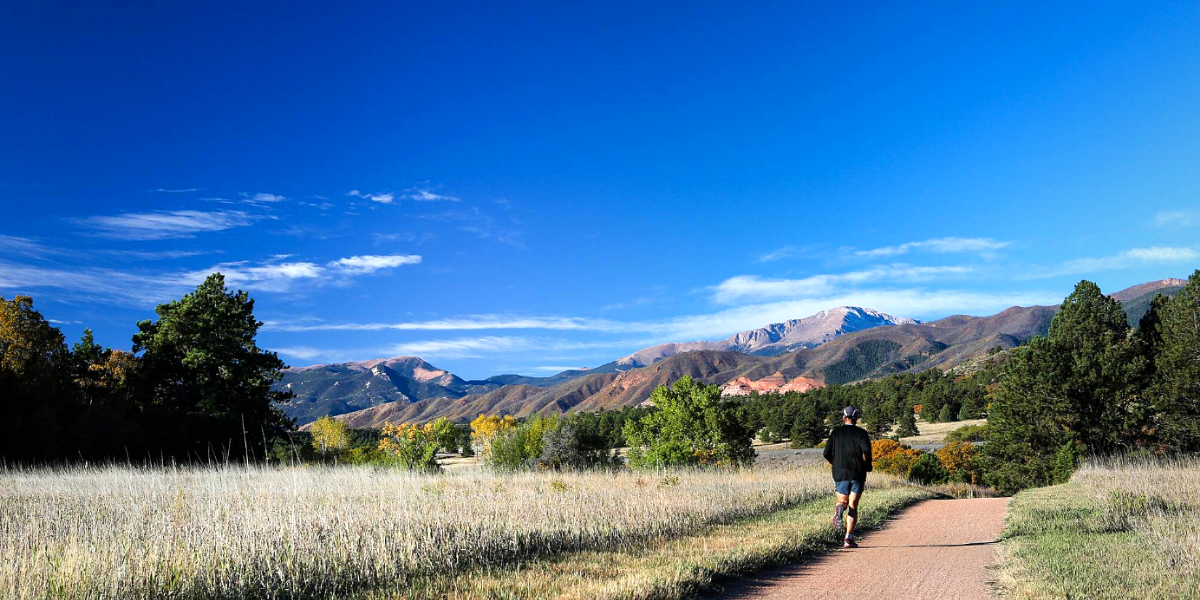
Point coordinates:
pixel 959 458
pixel 413 446
pixel 330 435
pixel 485 428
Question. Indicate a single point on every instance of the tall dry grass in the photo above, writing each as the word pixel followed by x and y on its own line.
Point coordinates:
pixel 247 532
pixel 1117 529
pixel 1158 499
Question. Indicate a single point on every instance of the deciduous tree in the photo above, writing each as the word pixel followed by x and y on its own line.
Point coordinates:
pixel 693 426
pixel 330 435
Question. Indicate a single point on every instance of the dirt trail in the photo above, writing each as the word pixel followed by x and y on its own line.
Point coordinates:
pixel 936 549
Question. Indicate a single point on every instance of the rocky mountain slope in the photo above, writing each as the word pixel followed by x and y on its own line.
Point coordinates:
pixel 869 353
pixel 346 387
pixel 1136 300
pixel 777 338
pixel 424 392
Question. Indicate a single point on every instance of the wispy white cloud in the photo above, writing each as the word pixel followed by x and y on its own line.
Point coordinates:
pixel 14 245
pixel 380 197
pixel 162 225
pixel 278 274
pixel 1134 257
pixel 949 245
pixel 1177 218
pixel 141 287
pixel 480 224
pixel 424 194
pixel 179 191
pixel 708 326
pixel 744 288
pixel 466 323
pixel 276 277
pixel 301 352
pixel 88 283
pixel 715 325
pixel 782 253
pixel 461 347
pixel 263 198
pixel 370 263
pixel 156 255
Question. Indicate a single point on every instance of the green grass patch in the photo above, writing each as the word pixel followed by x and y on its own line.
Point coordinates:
pixel 1073 541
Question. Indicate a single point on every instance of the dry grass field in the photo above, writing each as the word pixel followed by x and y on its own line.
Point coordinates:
pixel 246 532
pixel 935 433
pixel 1116 530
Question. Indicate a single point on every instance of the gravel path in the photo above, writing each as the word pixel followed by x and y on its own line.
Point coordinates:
pixel 936 549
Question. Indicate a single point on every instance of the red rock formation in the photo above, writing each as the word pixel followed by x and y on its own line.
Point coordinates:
pixel 744 386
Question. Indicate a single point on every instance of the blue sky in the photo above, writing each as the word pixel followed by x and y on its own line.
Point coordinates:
pixel 526 187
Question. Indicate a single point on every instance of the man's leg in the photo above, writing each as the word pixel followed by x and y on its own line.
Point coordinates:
pixel 852 512
pixel 839 509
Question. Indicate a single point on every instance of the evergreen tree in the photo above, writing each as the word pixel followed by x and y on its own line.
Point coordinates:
pixel 1026 420
pixel 974 404
pixel 204 383
pixel 1077 385
pixel 809 428
pixel 1177 393
pixel 908 423
pixel 87 352
pixel 1091 333
pixel 945 415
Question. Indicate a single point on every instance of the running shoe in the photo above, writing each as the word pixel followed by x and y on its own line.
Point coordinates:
pixel 837 515
pixel 849 543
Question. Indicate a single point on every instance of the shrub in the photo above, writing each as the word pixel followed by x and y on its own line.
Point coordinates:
pixel 927 470
pixel 569 447
pixel 366 455
pixel 968 433
pixel 960 460
pixel 411 446
pixel 519 447
pixel 1066 461
pixel 892 457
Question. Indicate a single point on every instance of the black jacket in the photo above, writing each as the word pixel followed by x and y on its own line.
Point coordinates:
pixel 849 451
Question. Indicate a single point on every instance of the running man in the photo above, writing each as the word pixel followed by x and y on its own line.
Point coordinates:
pixel 849 451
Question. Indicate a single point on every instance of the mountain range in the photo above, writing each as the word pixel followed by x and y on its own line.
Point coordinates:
pixel 835 346
pixel 777 338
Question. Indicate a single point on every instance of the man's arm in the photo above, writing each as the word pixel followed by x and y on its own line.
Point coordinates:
pixel 829 449
pixel 865 445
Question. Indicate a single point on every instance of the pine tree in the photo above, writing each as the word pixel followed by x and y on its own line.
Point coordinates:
pixel 945 415
pixel 1090 332
pixel 1025 422
pixel 1074 386
pixel 908 423
pixel 1177 395
pixel 203 379
pixel 809 428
